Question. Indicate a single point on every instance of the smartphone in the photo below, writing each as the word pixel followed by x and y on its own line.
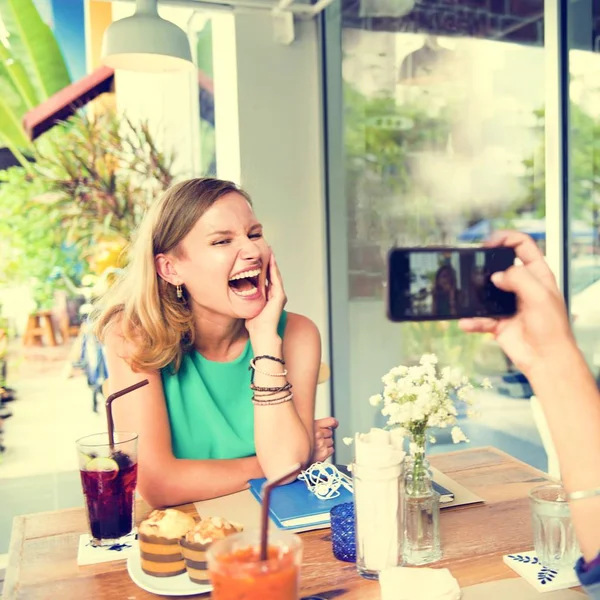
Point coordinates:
pixel 442 283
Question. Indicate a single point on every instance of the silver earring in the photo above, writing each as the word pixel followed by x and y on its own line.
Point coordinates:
pixel 179 292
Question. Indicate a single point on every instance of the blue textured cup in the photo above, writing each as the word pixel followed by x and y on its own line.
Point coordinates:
pixel 342 532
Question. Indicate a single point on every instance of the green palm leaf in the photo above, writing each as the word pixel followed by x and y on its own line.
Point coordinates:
pixel 33 43
pixel 8 92
pixel 12 134
pixel 13 69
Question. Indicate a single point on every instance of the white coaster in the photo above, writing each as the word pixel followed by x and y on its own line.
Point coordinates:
pixel 543 579
pixel 90 555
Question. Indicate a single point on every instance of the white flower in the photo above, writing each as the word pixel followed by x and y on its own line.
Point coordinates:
pixel 428 359
pixel 458 435
pixel 376 400
pixel 463 394
pixel 399 371
pixel 347 440
pixel 424 395
pixel 486 384
pixel 413 448
pixel 388 379
pixel 456 378
pixel 432 439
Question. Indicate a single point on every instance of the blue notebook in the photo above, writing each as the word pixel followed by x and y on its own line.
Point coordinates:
pixel 446 495
pixel 294 505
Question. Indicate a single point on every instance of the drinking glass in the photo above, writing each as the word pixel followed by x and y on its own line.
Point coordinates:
pixel 553 532
pixel 108 478
pixel 236 572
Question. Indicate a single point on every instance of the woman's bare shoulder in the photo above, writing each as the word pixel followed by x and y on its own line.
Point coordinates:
pixel 300 327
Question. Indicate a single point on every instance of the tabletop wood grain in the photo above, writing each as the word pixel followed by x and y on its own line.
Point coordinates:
pixel 43 551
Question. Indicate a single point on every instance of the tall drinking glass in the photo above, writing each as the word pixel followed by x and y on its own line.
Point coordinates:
pixel 108 478
pixel 553 532
pixel 236 571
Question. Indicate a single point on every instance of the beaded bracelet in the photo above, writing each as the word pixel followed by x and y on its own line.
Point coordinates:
pixel 275 390
pixel 257 370
pixel 287 398
pixel 269 357
pixel 260 394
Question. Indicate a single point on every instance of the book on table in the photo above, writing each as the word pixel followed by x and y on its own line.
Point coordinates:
pixel 294 506
pixel 446 495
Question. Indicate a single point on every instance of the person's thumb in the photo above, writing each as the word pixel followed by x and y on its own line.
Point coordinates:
pixel 521 282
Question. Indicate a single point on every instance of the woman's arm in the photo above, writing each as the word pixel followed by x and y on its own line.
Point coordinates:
pixel 539 341
pixel 284 433
pixel 571 402
pixel 164 480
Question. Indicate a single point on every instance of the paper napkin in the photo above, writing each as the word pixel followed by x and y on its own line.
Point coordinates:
pixel 543 579
pixel 406 583
pixel 377 467
pixel 515 589
pixel 91 555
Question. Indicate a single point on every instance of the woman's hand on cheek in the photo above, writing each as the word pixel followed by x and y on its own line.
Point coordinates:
pixel 264 325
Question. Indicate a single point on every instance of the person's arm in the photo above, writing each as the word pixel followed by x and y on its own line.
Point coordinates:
pixel 164 480
pixel 284 433
pixel 571 403
pixel 539 341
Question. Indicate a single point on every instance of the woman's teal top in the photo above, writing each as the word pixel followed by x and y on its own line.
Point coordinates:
pixel 210 405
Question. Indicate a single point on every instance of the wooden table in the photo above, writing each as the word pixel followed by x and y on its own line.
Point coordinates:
pixel 43 552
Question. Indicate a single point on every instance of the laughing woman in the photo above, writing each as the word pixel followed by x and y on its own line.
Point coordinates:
pixel 232 376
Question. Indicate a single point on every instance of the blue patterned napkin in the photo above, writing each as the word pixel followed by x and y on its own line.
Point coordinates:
pixel 543 579
pixel 90 555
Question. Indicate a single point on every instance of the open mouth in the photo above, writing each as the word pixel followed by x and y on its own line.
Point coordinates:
pixel 245 283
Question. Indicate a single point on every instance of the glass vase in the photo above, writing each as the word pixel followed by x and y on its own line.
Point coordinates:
pixel 422 543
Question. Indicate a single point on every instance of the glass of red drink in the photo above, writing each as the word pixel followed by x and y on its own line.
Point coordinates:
pixel 108 478
pixel 236 571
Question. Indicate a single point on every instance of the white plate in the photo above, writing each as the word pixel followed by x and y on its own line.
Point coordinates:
pixel 179 585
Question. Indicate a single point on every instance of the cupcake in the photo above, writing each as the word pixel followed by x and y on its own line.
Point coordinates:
pixel 197 540
pixel 159 537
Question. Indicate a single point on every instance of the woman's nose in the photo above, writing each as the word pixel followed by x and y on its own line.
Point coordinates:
pixel 250 249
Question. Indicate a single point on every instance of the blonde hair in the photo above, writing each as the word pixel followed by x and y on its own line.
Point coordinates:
pixel 156 325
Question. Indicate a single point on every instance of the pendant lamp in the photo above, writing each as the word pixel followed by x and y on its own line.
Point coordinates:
pixel 146 42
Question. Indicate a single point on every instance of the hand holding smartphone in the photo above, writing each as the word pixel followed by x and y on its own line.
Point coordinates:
pixel 442 283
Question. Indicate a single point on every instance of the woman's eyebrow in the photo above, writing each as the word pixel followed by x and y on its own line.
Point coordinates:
pixel 222 232
pixel 229 232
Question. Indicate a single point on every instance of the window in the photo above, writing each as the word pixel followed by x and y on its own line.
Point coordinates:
pixel 584 193
pixel 442 140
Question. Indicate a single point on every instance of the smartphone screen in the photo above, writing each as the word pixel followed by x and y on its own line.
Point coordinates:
pixel 428 284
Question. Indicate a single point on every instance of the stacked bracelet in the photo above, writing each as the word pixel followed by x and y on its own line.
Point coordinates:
pixel 287 398
pixel 257 370
pixel 270 390
pixel 266 395
pixel 269 357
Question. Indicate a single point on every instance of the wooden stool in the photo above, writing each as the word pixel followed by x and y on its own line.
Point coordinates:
pixel 67 331
pixel 40 326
